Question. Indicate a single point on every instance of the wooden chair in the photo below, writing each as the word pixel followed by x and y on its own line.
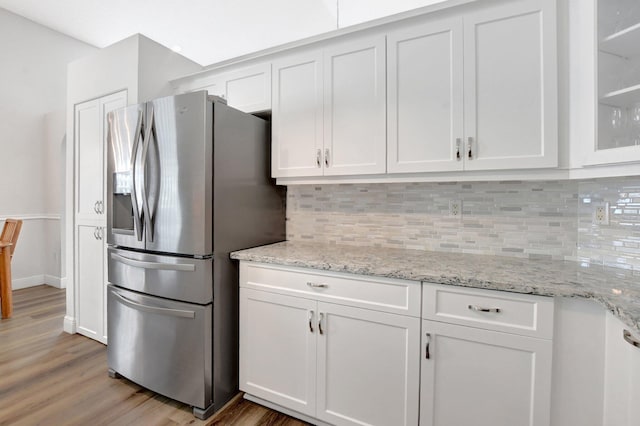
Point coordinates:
pixel 8 240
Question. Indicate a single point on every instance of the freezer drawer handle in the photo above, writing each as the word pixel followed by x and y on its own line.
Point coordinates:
pixel 154 265
pixel 154 310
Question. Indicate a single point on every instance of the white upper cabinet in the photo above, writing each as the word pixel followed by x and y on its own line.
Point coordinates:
pixel 89 158
pixel 510 86
pixel 424 84
pixel 297 129
pixel 329 110
pixel 355 102
pixel 476 91
pixel 618 83
pixel 90 147
pixel 247 89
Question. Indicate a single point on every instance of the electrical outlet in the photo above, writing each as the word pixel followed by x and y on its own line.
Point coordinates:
pixel 455 208
pixel 601 214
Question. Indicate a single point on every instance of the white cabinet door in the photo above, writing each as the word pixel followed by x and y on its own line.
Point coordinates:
pixel 89 159
pixel 477 377
pixel 91 282
pixel 278 349
pixel 368 367
pixel 90 146
pixel 622 376
pixel 355 103
pixel 510 86
pixel 90 259
pixel 425 102
pixel 297 145
pixel 249 89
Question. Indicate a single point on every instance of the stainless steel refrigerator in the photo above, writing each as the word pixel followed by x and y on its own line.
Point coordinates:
pixel 188 182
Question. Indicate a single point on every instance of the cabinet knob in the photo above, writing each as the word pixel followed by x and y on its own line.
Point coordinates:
pixel 95 207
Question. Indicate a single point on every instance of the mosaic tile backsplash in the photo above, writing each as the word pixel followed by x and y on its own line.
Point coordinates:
pixel 549 219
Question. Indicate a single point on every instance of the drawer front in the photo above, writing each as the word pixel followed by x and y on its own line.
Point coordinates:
pixel 163 345
pixel 172 277
pixel 523 314
pixel 381 294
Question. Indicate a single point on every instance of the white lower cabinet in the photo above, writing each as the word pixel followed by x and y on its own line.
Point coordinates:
pixel 91 282
pixel 340 364
pixel 479 377
pixel 278 349
pixel 486 357
pixel 367 367
pixel 621 375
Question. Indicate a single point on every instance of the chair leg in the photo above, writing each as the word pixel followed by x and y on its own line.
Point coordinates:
pixel 5 282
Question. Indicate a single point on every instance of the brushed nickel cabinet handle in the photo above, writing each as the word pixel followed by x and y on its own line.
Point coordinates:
pixel 320 317
pixel 310 321
pixel 316 285
pixel 481 309
pixel 319 158
pixel 469 145
pixel 326 157
pixel 458 143
pixel 427 355
pixel 626 335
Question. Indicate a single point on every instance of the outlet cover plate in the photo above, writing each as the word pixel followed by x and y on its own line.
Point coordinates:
pixel 455 208
pixel 601 214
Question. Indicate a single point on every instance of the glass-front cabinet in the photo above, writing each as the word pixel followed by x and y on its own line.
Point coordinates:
pixel 618 81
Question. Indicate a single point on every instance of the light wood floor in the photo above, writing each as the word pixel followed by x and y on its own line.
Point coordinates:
pixel 50 377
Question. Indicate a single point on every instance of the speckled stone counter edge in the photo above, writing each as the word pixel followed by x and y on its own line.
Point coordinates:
pixel 618 290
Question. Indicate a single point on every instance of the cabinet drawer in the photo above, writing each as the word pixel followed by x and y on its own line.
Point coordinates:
pixel 523 314
pixel 381 294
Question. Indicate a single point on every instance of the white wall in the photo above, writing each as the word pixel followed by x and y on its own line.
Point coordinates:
pixel 32 85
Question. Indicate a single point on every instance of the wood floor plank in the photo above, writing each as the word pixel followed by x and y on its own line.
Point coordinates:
pixel 50 377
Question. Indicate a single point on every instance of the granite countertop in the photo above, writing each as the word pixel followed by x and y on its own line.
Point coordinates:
pixel 617 289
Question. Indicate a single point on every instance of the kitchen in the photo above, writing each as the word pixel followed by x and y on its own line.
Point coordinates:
pixel 527 208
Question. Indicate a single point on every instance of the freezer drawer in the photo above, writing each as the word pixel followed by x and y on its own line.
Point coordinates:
pixel 162 345
pixel 172 277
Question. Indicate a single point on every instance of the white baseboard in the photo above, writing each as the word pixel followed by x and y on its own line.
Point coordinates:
pixel 53 281
pixel 34 280
pixel 69 325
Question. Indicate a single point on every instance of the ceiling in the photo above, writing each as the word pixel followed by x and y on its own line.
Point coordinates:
pixel 206 31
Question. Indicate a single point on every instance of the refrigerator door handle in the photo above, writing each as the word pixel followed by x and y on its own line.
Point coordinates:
pixel 148 207
pixel 134 195
pixel 154 310
pixel 154 265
